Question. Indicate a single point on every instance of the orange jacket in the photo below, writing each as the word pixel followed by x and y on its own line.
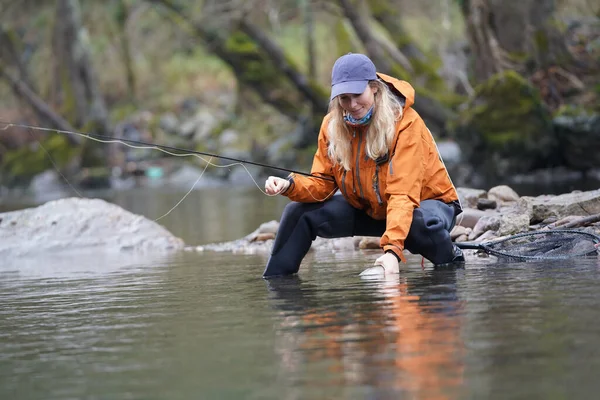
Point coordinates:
pixel 389 190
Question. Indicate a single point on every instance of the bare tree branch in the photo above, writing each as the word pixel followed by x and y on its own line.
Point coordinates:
pixel 273 50
pixel 38 105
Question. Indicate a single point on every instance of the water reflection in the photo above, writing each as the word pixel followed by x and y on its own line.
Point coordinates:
pixel 400 335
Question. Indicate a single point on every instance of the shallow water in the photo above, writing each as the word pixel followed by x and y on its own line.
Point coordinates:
pixel 205 325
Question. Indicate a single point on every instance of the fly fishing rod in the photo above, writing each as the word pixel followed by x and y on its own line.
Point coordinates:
pixel 107 138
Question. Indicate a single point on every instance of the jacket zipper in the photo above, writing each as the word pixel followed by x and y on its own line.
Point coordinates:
pixel 344 184
pixel 376 185
pixel 361 195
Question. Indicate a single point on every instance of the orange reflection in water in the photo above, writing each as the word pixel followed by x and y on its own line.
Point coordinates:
pixel 390 340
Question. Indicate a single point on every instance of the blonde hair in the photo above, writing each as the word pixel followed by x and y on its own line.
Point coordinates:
pixel 380 131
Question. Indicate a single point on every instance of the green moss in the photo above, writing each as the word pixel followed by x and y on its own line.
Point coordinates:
pixel 506 120
pixel 22 164
pixel 343 37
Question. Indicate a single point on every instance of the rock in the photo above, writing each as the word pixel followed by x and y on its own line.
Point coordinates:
pixel 229 138
pixel 368 242
pixel 512 223
pixel 469 197
pixel 486 204
pixel 169 122
pixel 47 186
pixel 261 237
pixel 188 175
pixel 458 231
pixel 578 134
pixel 269 227
pixel 462 238
pixel 486 223
pixel 244 175
pixel 75 224
pixel 449 152
pixel 576 203
pixel 505 128
pixel 502 194
pixel 487 236
pixel 469 217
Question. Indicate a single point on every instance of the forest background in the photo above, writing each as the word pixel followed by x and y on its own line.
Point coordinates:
pixel 509 88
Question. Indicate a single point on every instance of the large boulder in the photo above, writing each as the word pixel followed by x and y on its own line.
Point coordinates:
pixel 505 128
pixel 76 224
pixel 568 204
pixel 579 136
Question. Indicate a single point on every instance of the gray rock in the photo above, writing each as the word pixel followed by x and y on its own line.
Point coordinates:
pixel 486 204
pixel 486 223
pixel 75 225
pixel 514 222
pixel 229 138
pixel 469 197
pixel 575 203
pixel 450 152
pixel 502 193
pixel 169 122
pixel 469 217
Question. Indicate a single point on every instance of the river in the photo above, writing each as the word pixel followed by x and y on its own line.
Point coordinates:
pixel 205 325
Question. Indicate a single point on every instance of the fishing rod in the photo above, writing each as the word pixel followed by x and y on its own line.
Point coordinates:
pixel 159 146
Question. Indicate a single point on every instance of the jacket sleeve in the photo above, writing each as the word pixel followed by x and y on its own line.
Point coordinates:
pixel 403 189
pixel 307 189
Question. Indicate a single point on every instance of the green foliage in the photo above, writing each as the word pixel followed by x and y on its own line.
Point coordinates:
pixel 24 163
pixel 506 120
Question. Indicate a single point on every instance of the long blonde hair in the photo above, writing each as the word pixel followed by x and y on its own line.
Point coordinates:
pixel 380 131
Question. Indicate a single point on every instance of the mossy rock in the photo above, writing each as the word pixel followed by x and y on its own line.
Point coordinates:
pixel 19 166
pixel 505 128
pixel 578 132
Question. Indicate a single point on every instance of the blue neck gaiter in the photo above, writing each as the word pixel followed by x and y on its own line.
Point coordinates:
pixel 359 122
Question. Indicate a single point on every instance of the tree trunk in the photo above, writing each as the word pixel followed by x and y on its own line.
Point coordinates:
pixel 309 26
pixel 42 110
pixel 433 112
pixel 80 91
pixel 488 57
pixel 10 53
pixel 280 61
pixel 260 64
pixel 503 36
pixel 357 14
pixel 122 17
pixel 277 84
pixel 388 15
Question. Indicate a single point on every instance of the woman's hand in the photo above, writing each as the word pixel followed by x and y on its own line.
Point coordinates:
pixel 386 265
pixel 389 262
pixel 275 185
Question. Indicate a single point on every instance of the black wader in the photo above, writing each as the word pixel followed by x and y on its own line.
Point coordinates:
pixel 301 223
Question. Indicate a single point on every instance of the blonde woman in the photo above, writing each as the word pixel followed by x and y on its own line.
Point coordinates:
pixel 381 162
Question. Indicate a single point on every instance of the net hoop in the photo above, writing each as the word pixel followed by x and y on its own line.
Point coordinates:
pixel 595 239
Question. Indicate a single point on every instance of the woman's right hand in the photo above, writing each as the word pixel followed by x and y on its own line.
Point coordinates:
pixel 275 185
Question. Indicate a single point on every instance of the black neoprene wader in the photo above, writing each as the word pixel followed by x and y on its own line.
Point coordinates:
pixel 301 223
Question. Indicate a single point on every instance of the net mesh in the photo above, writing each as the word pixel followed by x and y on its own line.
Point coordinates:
pixel 545 245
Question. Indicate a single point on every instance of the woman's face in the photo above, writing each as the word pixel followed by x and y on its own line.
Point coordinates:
pixel 357 105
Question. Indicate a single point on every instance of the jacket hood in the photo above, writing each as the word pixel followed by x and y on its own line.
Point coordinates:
pixel 402 89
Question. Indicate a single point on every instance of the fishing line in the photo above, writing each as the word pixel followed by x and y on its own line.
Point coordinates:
pixel 52 162
pixel 135 144
pixel 166 149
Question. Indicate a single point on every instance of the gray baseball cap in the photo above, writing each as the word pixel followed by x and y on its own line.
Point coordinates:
pixel 351 73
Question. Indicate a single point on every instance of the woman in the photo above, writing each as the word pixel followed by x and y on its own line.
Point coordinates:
pixel 378 152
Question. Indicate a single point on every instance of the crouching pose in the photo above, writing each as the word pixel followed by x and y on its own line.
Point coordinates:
pixel 375 151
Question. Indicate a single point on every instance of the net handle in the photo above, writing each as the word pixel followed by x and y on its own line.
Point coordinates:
pixel 469 246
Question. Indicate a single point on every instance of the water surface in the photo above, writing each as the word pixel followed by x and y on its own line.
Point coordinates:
pixel 205 325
